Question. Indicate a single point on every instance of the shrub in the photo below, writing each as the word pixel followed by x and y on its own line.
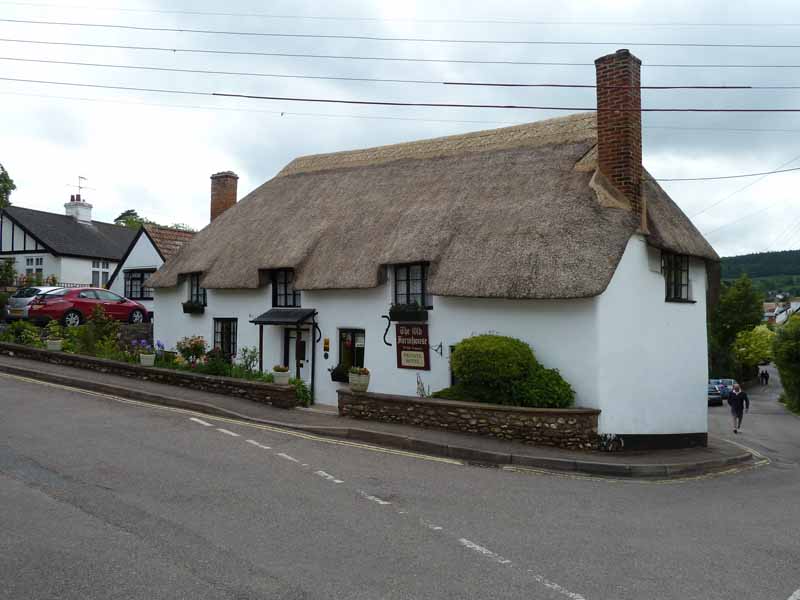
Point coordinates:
pixel 23 332
pixel 216 364
pixel 359 371
pixel 786 351
pixel 248 358
pixel 502 370
pixel 192 348
pixel 7 272
pixel 303 393
pixel 54 331
pixel 3 300
pixel 280 369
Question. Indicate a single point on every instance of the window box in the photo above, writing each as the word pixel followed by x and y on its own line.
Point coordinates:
pixel 340 374
pixel 193 308
pixel 408 312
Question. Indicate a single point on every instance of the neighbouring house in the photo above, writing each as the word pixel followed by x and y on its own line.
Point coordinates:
pixel 785 310
pixel 551 232
pixel 151 246
pixel 69 249
pixel 770 311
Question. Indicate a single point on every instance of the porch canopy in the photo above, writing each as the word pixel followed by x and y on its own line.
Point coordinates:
pixel 285 316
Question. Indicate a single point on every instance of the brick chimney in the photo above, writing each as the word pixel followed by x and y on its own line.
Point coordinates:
pixel 619 126
pixel 223 192
pixel 78 209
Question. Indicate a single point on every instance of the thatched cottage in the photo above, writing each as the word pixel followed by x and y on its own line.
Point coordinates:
pixel 551 232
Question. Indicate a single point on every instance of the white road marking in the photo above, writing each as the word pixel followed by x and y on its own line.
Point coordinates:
pixel 431 526
pixel 484 551
pixel 196 420
pixel 226 432
pixel 287 457
pixel 557 588
pixel 373 498
pixel 328 476
pixel 255 443
pixel 795 596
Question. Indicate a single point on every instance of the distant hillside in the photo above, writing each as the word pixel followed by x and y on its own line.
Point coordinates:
pixel 770 271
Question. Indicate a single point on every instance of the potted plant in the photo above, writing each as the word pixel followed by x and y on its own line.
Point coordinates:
pixel 193 308
pixel 280 374
pixel 408 312
pixel 55 336
pixel 147 356
pixel 359 379
pixel 340 373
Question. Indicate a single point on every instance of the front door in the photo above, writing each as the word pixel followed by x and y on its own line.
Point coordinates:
pixel 296 353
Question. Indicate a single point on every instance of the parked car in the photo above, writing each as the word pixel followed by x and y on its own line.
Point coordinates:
pixel 73 306
pixel 725 386
pixel 714 396
pixel 17 307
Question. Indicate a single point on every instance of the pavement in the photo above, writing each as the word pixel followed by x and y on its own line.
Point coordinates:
pixel 107 498
pixel 720 455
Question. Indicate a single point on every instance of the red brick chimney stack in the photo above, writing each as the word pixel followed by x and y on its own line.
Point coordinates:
pixel 619 125
pixel 223 192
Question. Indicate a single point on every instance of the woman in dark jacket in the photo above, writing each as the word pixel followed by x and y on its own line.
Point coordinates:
pixel 738 401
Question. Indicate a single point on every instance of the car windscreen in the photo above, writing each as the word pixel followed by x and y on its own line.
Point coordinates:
pixel 61 292
pixel 27 292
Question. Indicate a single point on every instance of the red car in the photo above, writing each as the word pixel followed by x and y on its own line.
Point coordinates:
pixel 72 306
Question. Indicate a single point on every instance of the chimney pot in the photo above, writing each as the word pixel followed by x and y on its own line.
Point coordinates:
pixel 223 192
pixel 619 126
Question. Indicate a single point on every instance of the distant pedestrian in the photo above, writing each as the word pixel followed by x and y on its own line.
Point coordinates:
pixel 766 377
pixel 739 402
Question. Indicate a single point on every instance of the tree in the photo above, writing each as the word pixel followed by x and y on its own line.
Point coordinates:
pixel 753 347
pixel 6 187
pixel 786 350
pixel 739 309
pixel 130 218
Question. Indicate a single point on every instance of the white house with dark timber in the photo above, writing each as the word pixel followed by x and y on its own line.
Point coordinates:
pixel 551 232
pixel 70 248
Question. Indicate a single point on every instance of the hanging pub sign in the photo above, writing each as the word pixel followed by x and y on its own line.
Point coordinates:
pixel 413 349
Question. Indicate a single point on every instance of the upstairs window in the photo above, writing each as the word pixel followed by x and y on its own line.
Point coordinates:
pixel 411 285
pixel 197 294
pixel 283 292
pixel 675 268
pixel 134 285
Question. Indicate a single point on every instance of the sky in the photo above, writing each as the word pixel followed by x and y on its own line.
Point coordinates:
pixel 155 151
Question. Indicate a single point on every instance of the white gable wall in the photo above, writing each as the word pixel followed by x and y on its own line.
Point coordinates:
pixel 142 256
pixel 79 270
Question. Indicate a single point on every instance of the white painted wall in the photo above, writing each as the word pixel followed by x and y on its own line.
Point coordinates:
pixel 639 359
pixel 653 363
pixel 79 270
pixel 51 265
pixel 14 238
pixel 142 256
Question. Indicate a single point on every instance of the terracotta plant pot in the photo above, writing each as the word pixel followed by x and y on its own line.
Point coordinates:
pixel 147 360
pixel 359 383
pixel 281 377
pixel 55 345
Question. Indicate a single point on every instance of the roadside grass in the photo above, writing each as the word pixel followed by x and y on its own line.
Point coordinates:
pixel 790 406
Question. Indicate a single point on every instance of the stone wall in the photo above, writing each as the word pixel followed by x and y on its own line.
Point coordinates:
pixel 282 396
pixel 573 428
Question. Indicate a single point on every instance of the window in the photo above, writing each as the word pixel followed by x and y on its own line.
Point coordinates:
pixel 351 348
pixel 99 277
pixel 28 262
pixel 225 337
pixel 39 273
pixel 40 262
pixel 88 294
pixel 134 285
pixel 283 292
pixel 29 272
pixel 107 296
pixel 411 285
pixel 197 294
pixel 105 264
pixel 105 278
pixel 95 264
pixel 95 278
pixel 675 268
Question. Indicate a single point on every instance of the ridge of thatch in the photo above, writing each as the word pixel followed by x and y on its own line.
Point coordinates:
pixel 506 213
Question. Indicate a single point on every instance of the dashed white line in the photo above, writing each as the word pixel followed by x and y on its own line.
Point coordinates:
pixel 262 446
pixel 328 476
pixel 287 457
pixel 200 421
pixel 557 588
pixel 226 432
pixel 795 596
pixel 431 526
pixel 373 498
pixel 484 551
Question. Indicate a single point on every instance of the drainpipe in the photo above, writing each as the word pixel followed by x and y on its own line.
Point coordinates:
pixel 313 341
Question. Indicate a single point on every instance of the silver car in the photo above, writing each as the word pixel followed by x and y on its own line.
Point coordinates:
pixel 17 307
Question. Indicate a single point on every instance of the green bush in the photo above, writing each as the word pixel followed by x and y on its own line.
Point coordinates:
pixel 3 301
pixel 303 393
pixel 8 273
pixel 23 332
pixel 502 370
pixel 786 352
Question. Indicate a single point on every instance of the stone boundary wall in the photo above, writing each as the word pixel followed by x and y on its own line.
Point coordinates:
pixel 282 396
pixel 572 428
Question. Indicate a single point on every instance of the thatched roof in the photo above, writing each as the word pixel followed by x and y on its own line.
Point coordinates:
pixel 504 213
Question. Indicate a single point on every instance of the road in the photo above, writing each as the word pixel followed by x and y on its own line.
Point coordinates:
pixel 106 499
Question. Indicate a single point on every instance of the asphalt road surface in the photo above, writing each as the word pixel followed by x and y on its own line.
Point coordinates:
pixel 105 499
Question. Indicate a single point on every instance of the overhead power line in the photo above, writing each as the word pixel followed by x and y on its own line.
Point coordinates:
pixel 384 80
pixel 377 38
pixel 396 103
pixel 401 19
pixel 731 176
pixel 389 58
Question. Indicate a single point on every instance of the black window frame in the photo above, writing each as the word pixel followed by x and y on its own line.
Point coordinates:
pixel 197 294
pixel 228 353
pixel 283 293
pixel 402 273
pixel 138 276
pixel 675 268
pixel 342 347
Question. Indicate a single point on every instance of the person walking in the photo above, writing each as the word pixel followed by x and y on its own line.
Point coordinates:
pixel 766 377
pixel 739 402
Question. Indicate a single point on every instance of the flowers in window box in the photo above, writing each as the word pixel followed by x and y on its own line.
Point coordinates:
pixel 408 312
pixel 359 379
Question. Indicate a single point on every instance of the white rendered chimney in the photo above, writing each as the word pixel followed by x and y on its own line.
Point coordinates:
pixel 78 209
